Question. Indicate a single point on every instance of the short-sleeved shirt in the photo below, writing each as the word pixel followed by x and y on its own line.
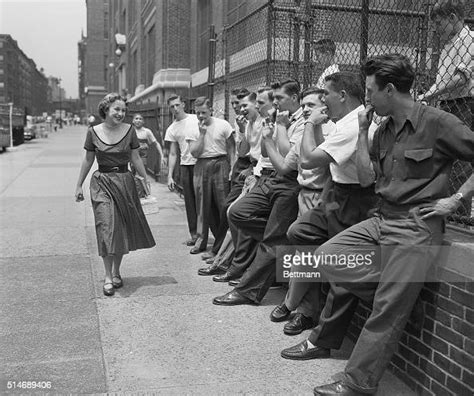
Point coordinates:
pixel 254 137
pixel 215 140
pixel 117 154
pixel 328 71
pixel 413 166
pixel 313 179
pixel 294 132
pixel 182 132
pixel 341 146
pixel 456 57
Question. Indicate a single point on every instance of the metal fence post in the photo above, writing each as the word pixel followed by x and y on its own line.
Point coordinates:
pixel 308 18
pixel 296 47
pixel 364 33
pixel 212 63
pixel 226 57
pixel 269 62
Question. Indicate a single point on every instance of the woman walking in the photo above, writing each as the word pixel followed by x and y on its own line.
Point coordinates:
pixel 120 223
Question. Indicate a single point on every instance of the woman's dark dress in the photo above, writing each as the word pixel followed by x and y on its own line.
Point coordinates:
pixel 120 223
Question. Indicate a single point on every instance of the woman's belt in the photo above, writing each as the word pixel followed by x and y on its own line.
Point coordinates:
pixel 117 169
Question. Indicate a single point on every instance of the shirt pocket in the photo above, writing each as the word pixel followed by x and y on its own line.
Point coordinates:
pixel 419 163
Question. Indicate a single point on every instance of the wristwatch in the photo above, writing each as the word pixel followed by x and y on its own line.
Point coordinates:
pixel 459 197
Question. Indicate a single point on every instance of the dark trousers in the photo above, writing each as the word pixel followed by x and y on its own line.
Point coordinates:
pixel 345 205
pixel 186 176
pixel 236 186
pixel 265 214
pixel 407 246
pixel 211 184
pixel 245 247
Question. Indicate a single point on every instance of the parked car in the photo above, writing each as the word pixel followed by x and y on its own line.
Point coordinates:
pixel 30 128
pixel 30 132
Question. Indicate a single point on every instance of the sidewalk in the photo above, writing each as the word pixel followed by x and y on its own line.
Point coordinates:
pixel 160 333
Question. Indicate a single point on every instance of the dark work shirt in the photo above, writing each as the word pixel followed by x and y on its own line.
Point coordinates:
pixel 413 166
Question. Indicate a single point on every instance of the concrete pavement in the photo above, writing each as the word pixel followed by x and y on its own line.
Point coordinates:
pixel 160 333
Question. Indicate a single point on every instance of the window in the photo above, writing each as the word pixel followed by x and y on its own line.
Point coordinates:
pixel 236 11
pixel 134 71
pixel 151 55
pixel 204 18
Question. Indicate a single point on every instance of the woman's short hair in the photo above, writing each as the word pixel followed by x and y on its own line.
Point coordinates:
pixel 105 103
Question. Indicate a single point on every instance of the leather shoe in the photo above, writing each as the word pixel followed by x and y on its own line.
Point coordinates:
pixel 302 352
pixel 234 282
pixel 208 271
pixel 233 298
pixel 298 324
pixel 191 242
pixel 280 313
pixel 336 388
pixel 197 250
pixel 207 255
pixel 223 278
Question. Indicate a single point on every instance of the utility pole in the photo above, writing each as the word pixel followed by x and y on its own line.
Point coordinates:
pixel 60 105
pixel 11 123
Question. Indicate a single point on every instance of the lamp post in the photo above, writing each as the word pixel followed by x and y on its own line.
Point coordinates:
pixel 11 123
pixel 60 106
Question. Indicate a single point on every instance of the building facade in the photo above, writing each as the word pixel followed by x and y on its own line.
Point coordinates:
pixel 93 56
pixel 20 81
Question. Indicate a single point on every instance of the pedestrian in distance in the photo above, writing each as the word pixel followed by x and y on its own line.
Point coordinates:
pixel 120 223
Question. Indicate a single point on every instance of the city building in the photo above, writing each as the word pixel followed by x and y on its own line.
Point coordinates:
pixel 93 58
pixel 20 81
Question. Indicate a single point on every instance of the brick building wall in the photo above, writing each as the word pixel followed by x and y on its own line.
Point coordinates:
pixel 96 55
pixel 20 80
pixel 437 358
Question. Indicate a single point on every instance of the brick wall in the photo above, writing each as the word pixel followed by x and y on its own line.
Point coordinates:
pixel 437 357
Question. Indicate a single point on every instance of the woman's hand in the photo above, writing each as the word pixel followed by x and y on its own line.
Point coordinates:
pixel 79 194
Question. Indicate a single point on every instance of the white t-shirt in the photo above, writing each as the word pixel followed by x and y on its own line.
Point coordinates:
pixel 309 178
pixel 215 140
pixel 145 133
pixel 254 137
pixel 183 132
pixel 295 131
pixel 328 71
pixel 341 146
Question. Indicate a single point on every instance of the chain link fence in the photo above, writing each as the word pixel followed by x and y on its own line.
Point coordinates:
pixel 279 40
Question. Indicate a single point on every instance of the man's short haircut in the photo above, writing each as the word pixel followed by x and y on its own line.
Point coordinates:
pixel 326 45
pixel 236 91
pixel 105 103
pixel 312 91
pixel 391 68
pixel 347 81
pixel 290 86
pixel 174 97
pixel 202 101
pixel 245 93
pixel 267 89
pixel 444 8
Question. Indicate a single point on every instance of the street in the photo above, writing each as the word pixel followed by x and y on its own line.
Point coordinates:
pixel 160 333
